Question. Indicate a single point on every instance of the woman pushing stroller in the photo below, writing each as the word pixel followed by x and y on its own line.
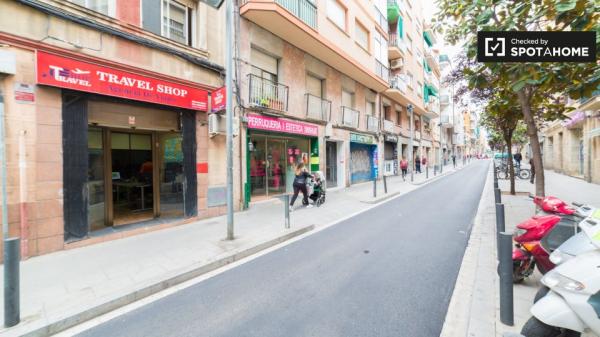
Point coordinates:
pixel 300 185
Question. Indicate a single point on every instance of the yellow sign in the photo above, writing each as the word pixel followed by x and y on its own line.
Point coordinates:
pixel 314 160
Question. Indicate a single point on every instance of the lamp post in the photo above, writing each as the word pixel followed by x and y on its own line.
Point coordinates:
pixel 410 142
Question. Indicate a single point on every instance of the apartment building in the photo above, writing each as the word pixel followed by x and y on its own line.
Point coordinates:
pixel 572 146
pixel 105 106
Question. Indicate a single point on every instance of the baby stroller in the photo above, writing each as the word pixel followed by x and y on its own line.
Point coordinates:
pixel 317 185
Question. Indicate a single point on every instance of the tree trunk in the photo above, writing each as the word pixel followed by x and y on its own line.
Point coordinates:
pixel 509 161
pixel 536 150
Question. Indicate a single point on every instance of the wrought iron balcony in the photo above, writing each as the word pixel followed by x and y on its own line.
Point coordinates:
pixel 398 82
pixel 388 126
pixel 318 108
pixel 372 123
pixel 265 94
pixel 397 46
pixel 305 10
pixel 382 71
pixel 349 117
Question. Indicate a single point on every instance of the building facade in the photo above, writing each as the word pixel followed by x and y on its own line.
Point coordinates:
pixel 105 106
pixel 572 146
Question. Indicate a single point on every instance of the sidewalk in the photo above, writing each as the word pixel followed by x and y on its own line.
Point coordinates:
pixel 474 308
pixel 66 288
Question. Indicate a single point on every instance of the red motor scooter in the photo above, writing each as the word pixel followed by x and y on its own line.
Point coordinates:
pixel 532 244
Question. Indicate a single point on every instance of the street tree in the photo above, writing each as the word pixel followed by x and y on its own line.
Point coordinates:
pixel 539 87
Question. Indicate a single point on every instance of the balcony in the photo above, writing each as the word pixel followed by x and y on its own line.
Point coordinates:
pixel 317 108
pixel 381 19
pixel 446 122
pixel 372 124
pixel 431 59
pixel 382 71
pixel 349 117
pixel 417 135
pixel 296 21
pixel 267 95
pixel 445 100
pixel 388 126
pixel 432 108
pixel 393 10
pixel 396 46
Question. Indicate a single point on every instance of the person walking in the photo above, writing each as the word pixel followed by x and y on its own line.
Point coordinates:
pixel 518 157
pixel 300 186
pixel 404 167
pixel 532 169
pixel 418 164
pixel 454 160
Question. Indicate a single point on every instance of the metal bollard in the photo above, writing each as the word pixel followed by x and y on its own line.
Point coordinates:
pixel 500 223
pixel 434 170
pixel 375 188
pixel 286 206
pixel 505 270
pixel 427 172
pixel 497 195
pixel 385 184
pixel 12 258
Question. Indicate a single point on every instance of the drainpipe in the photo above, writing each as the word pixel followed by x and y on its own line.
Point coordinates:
pixel 23 195
pixel 3 161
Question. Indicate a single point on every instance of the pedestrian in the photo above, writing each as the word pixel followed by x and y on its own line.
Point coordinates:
pixel 532 169
pixel 418 164
pixel 404 167
pixel 424 161
pixel 518 157
pixel 300 185
pixel 454 160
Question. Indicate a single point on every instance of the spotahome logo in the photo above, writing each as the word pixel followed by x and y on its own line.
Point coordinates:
pixel 536 46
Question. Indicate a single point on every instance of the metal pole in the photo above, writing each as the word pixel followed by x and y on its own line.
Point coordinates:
pixel 497 195
pixel 229 113
pixel 12 307
pixel 375 188
pixel 410 143
pixel 427 172
pixel 441 146
pixel 506 283
pixel 500 223
pixel 3 161
pixel 286 207
pixel 384 184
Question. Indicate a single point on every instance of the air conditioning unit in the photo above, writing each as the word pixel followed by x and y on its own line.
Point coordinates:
pixel 217 125
pixel 397 63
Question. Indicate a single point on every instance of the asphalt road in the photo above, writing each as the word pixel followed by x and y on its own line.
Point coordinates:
pixel 389 271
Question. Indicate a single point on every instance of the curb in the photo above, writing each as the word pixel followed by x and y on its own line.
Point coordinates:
pixel 153 288
pixel 380 199
pixel 436 177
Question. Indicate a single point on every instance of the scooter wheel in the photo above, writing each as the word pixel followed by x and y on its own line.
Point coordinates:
pixel 518 272
pixel 536 328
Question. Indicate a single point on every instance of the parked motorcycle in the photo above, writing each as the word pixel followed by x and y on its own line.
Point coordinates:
pixel 539 236
pixel 572 306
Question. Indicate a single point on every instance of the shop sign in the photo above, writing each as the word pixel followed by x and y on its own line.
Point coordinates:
pixel 364 139
pixel 68 73
pixel 391 138
pixel 281 125
pixel 24 93
pixel 218 100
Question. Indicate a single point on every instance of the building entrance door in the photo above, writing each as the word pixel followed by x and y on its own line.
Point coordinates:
pixel 331 164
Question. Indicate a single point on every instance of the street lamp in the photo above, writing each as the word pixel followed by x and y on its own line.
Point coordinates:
pixel 229 104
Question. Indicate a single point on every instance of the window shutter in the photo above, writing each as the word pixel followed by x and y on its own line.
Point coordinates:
pixel 263 61
pixel 151 19
pixel 400 27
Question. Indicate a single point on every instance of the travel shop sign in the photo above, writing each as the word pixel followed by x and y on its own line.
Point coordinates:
pixel 68 73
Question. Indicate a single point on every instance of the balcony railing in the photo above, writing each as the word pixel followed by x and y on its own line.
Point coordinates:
pixel 266 94
pixel 381 19
pixel 417 135
pixel 444 99
pixel 318 108
pixel 433 106
pixel 388 126
pixel 382 71
pixel 398 42
pixel 397 82
pixel 349 117
pixel 372 123
pixel 304 10
pixel 446 120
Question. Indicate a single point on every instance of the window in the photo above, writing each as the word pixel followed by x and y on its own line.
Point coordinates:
pixel 314 86
pixel 347 99
pixel 263 65
pixel 362 35
pixel 337 13
pixel 399 117
pixel 380 47
pixel 410 77
pixel 419 57
pixel 176 21
pixel 410 43
pixel 370 109
pixel 106 7
pixel 387 112
pixel 419 89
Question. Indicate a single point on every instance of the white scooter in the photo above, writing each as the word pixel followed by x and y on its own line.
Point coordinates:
pixel 572 305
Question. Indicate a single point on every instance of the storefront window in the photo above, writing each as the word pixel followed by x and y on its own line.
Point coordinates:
pixel 171 175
